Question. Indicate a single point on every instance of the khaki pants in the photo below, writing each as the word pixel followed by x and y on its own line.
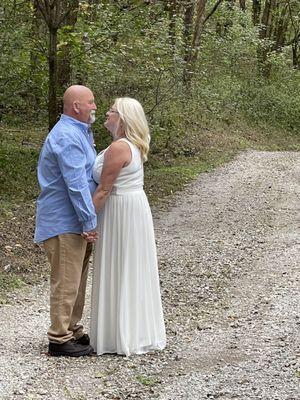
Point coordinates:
pixel 68 255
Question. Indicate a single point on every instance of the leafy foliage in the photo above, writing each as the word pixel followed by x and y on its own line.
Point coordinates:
pixel 213 77
pixel 138 48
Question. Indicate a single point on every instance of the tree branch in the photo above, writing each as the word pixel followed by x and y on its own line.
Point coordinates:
pixel 294 40
pixel 43 11
pixel 213 10
pixel 64 17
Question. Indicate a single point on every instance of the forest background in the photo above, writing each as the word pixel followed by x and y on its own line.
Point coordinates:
pixel 214 76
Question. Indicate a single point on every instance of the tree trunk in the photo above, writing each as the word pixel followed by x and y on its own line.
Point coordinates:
pixel 256 10
pixel 64 67
pixel 55 14
pixel 296 55
pixel 64 60
pixel 52 96
pixel 267 19
pixel 187 37
pixel 172 11
pixel 243 5
pixel 34 97
pixel 265 34
pixel 194 48
pixel 293 34
pixel 228 23
pixel 199 23
pixel 281 30
pixel 187 28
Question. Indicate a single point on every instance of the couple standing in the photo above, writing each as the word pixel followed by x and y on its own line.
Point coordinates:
pixel 88 199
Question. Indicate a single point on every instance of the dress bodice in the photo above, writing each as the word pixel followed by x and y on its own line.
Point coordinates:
pixel 131 177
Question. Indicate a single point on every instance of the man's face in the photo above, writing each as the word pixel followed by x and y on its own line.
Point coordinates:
pixel 86 107
pixel 92 117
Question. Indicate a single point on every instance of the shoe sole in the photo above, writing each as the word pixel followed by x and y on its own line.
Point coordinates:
pixel 62 354
pixel 81 353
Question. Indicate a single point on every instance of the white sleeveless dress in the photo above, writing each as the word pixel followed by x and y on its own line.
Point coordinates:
pixel 126 314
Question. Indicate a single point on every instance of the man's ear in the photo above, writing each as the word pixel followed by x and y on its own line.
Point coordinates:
pixel 76 107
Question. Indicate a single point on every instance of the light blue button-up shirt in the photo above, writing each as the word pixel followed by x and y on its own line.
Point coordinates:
pixel 65 177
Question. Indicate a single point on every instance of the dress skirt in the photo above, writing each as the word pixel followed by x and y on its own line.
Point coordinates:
pixel 126 314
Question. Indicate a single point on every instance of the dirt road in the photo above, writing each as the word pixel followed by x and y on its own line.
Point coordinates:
pixel 229 252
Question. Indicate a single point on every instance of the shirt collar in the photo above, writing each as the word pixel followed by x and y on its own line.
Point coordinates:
pixel 81 125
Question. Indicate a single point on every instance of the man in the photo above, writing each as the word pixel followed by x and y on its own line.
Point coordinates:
pixel 66 219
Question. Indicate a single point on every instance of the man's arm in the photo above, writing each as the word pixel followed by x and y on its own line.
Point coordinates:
pixel 72 160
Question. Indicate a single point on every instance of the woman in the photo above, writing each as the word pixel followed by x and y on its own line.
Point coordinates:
pixel 127 316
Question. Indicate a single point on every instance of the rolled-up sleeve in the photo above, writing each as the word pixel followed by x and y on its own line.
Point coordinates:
pixel 71 159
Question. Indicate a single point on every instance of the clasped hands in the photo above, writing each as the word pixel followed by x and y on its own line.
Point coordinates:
pixel 90 236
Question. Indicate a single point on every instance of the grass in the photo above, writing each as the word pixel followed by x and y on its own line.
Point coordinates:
pixel 147 380
pixel 19 151
pixel 200 149
pixel 9 283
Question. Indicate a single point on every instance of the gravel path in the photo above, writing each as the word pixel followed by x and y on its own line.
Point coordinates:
pixel 229 251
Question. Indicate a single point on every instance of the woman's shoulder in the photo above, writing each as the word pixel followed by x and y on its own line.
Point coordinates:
pixel 123 141
pixel 134 148
pixel 122 145
pixel 118 150
pixel 114 148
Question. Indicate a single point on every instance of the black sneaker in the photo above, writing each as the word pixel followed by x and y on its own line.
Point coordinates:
pixel 69 349
pixel 84 340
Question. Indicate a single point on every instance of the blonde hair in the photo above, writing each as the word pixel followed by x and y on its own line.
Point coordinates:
pixel 135 123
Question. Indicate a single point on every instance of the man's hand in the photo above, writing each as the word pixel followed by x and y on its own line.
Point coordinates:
pixel 90 236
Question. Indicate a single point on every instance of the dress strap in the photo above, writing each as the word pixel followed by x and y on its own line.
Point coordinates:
pixel 135 152
pixel 125 140
pixel 131 145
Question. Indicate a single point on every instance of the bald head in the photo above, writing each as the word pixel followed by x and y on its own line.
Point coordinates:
pixel 79 102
